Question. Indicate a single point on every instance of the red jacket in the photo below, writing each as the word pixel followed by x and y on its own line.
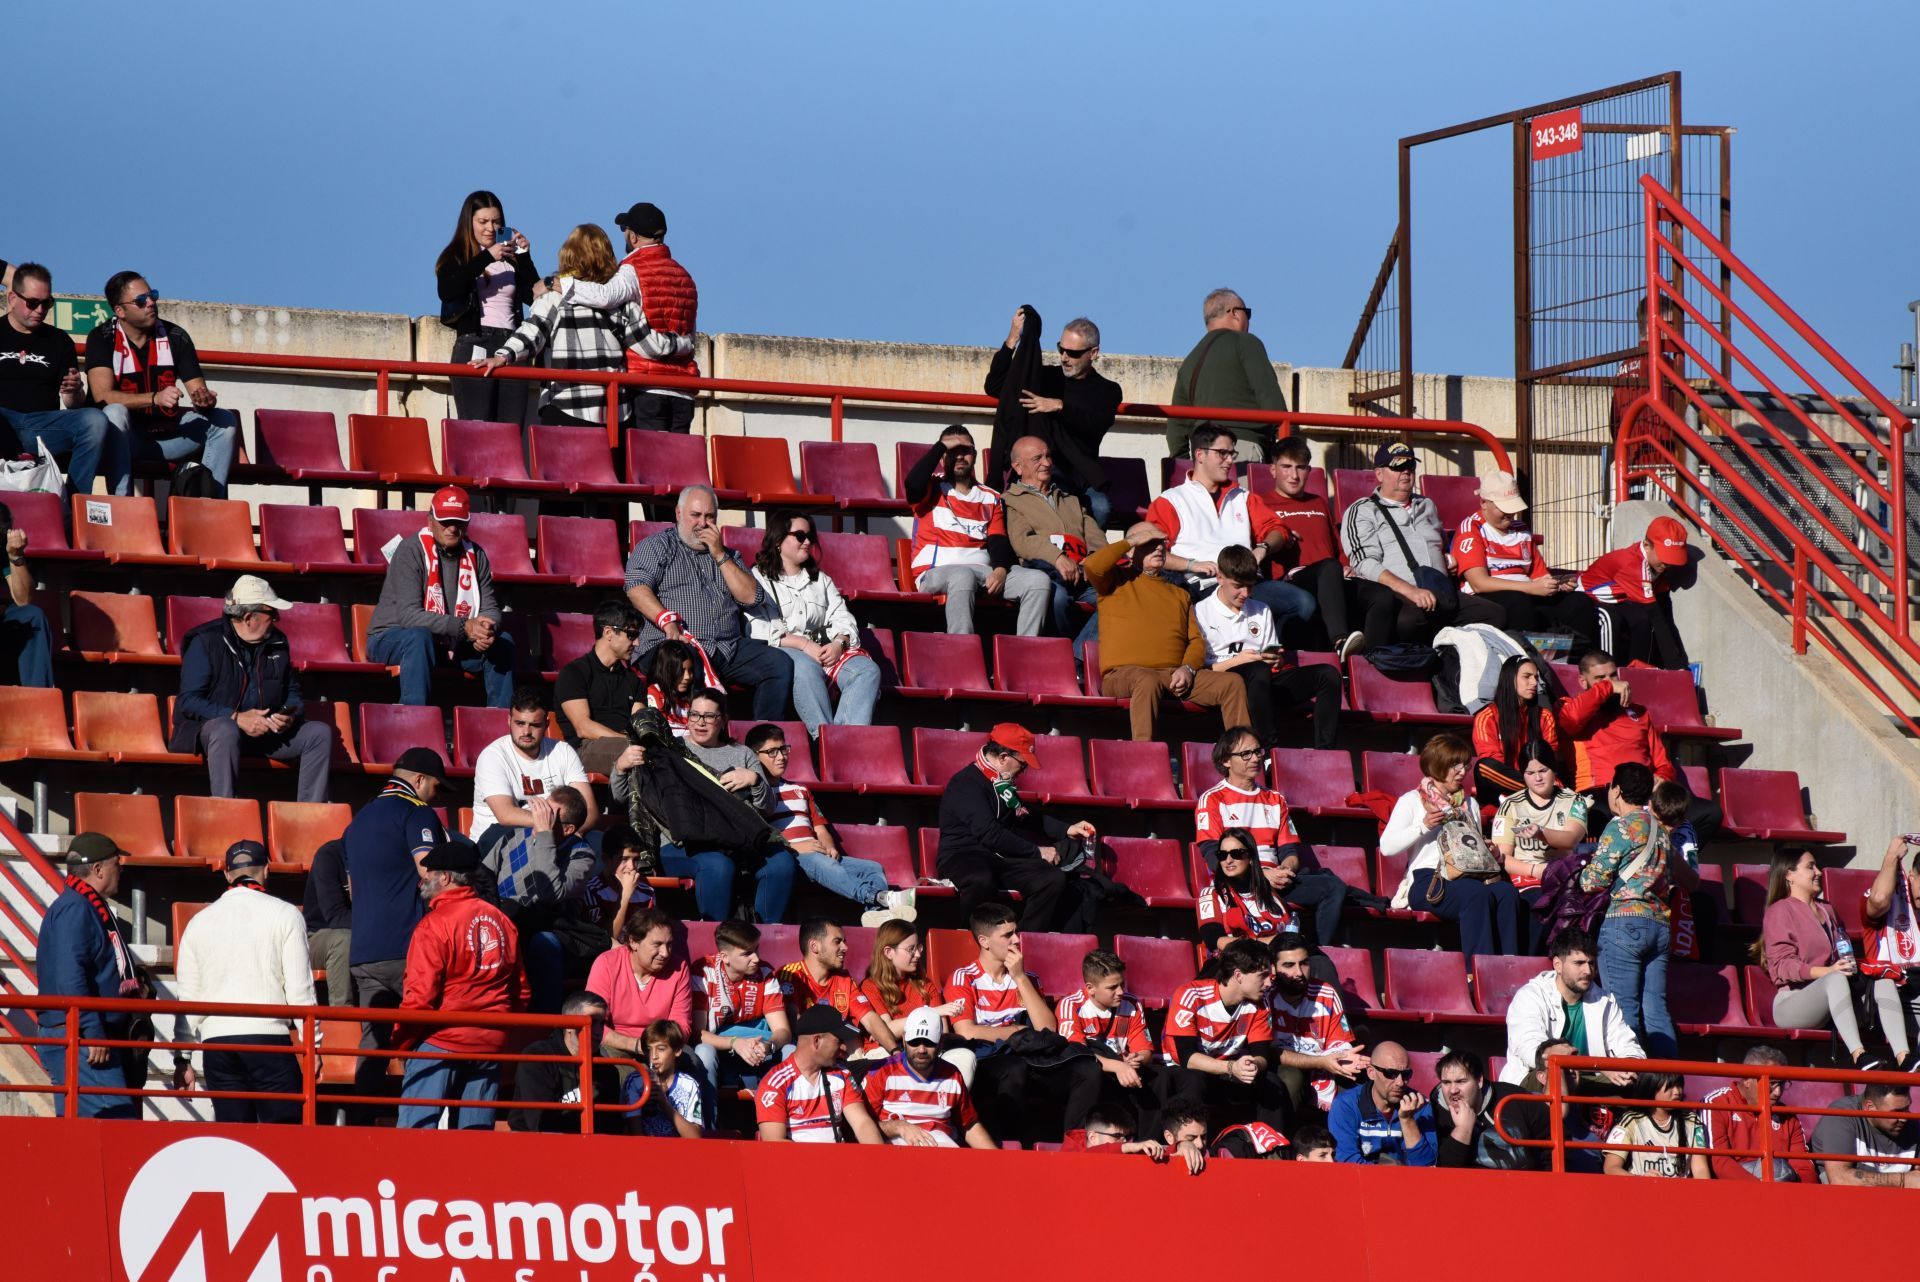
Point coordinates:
pixel 464 955
pixel 669 300
pixel 1604 735
pixel 1741 1130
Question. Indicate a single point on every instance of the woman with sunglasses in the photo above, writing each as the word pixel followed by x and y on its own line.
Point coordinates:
pixel 485 277
pixel 1241 902
pixel 804 617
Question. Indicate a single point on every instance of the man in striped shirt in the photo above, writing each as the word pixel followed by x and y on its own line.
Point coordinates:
pixel 920 1099
pixel 1218 1041
pixel 960 540
pixel 807 1099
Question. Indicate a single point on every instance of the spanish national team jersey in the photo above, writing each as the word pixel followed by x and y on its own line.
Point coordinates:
pixel 1478 546
pixel 1243 917
pixel 808 1105
pixel 721 1003
pixel 839 991
pixel 1224 1031
pixel 1315 1025
pixel 938 1102
pixel 1262 812
pixel 991 1003
pixel 1122 1030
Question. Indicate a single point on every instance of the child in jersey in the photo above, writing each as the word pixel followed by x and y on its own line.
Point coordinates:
pixel 663 1100
pixel 1664 1127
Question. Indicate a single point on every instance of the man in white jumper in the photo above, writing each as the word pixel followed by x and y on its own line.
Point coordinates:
pixel 249 948
pixel 522 764
pixel 1566 1004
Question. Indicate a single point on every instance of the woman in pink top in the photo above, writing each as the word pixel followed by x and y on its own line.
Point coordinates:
pixel 1812 981
pixel 640 982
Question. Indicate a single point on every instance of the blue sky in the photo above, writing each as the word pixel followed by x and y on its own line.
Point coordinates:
pixel 913 172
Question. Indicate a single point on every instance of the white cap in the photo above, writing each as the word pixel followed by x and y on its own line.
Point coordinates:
pixel 923 1025
pixel 1498 489
pixel 250 592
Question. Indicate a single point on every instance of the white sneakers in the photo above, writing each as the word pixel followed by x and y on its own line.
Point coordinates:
pixel 1354 641
pixel 895 905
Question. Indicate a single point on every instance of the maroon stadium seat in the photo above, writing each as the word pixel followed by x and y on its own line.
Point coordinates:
pixel 1390 772
pixel 1384 699
pixel 1847 892
pixel 504 536
pixel 584 549
pixel 1705 1001
pixel 579 459
pixel 888 845
pixel 881 647
pixel 1316 780
pixel 1765 805
pixel 940 665
pixel 1697 781
pixel 799 758
pixel 866 756
pixel 44 518
pixel 1126 490
pixel 862 567
pixel 1430 982
pixel 318 641
pixel 1054 959
pixel 849 471
pixel 1759 1004
pixel 1044 669
pixel 1388 870
pixel 1062 774
pixel 779 943
pixel 1749 893
pixel 938 755
pixel 1673 703
pixel 1426 1070
pixel 1151 867
pixel 185 613
pixel 699 934
pixel 637 530
pixel 492 455
pixel 1348 863
pixel 745 541
pixel 375 527
pixel 1138 771
pixel 860 941
pixel 1455 497
pixel 664 463
pixel 1197 772
pixel 1257 478
pixel 308 538
pixel 926 853
pixel 1350 484
pixel 1497 979
pixel 473 730
pixel 305 444
pixel 1156 968
pixel 565 637
pixel 389 729
pixel 1358 988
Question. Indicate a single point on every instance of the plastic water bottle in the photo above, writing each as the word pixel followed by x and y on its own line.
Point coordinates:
pixel 1843 950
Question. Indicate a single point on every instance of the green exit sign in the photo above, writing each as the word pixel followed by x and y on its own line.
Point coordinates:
pixel 76 315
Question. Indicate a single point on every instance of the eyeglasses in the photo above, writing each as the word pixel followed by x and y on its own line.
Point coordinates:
pixel 704 716
pixel 1210 449
pixel 1108 1135
pixel 267 610
pixel 1244 311
pixel 1238 854
pixel 1247 754
pixel 632 634
pixel 147 299
pixel 780 751
pixel 1072 353
pixel 800 536
pixel 1407 466
pixel 34 304
pixel 1397 1074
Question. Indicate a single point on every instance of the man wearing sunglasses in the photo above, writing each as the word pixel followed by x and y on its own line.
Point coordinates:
pixel 1383 1121
pixel 1228 369
pixel 1069 406
pixel 41 396
pixel 145 374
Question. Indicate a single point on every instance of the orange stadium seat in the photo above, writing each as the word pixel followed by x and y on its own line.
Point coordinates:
pixel 397 448
pixel 850 472
pixel 33 723
pixel 125 726
pixel 295 829
pixel 218 533
pixel 132 819
pixel 181 915
pixel 127 529
pixel 761 467
pixel 203 827
pixel 115 627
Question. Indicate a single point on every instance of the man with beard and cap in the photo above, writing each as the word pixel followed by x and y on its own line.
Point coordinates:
pixel 83 954
pixel 1070 406
pixel 960 543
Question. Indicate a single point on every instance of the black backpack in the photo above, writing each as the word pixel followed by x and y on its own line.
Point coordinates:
pixel 194 481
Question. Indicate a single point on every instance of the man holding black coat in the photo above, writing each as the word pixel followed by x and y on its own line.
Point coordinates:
pixel 1070 406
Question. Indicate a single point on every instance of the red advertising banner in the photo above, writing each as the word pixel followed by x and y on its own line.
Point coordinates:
pixel 1557 134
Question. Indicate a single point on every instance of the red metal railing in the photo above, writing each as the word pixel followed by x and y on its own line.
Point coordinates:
pixel 307 1047
pixel 1557 1097
pixel 1641 455
pixel 28 928
pixel 837 396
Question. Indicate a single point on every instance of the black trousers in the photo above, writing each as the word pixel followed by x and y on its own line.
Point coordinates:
pixel 1269 691
pixel 493 400
pixel 1329 587
pixel 1574 612
pixel 1387 617
pixel 1049 899
pixel 1322 898
pixel 1142 1104
pixel 229 1070
pixel 1028 1101
pixel 1630 631
pixel 653 412
pixel 1229 1102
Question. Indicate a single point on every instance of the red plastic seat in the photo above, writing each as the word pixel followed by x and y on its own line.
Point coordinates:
pixel 1750 893
pixel 492 455
pixel 127 529
pixel 1126 490
pixel 473 730
pixel 1673 703
pixel 375 527
pixel 850 472
pixel 1044 670
pixel 1388 872
pixel 338 719
pixel 862 567
pixel 1354 967
pixel 1053 959
pixel 1316 780
pixel 125 727
pixel 926 853
pixel 1697 781
pixel 115 627
pixel 779 943
pixel 1197 771
pixel 132 819
pixel 1390 772
pixel 1152 867
pixel 216 532
pixel 305 444
pixel 1765 805
pixel 33 723
pixel 799 743
pixel 295 829
pixel 865 757
pixel 185 613
pixel 564 638
pixel 1455 497
pixel 579 459
pixel 664 463
pixel 884 650
pixel 762 467
pixel 395 447
pixel 307 538
pixel 1062 774
pixel 584 549
pixel 1497 979
pixel 1847 891
pixel 389 729
pixel 940 665
pixel 44 518
pixel 1138 771
pixel 1385 699
pixel 1348 863
pixel 504 537
pixel 1156 968
pixel 743 540
pixel 885 844
pixel 939 755
pixel 1429 982
pixel 203 827
pixel 638 530
pixel 1705 1001
pixel 1758 987
pixel 318 641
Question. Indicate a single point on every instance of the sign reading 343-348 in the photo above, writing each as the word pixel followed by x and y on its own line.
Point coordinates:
pixel 1557 134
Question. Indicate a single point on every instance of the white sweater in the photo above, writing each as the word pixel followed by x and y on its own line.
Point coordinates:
pixel 1536 1013
pixel 794 604
pixel 1407 830
pixel 244 947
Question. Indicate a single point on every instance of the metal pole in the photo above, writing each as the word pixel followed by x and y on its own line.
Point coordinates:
pixel 1557 1122
pixel 1799 601
pixel 72 1052
pixel 1406 281
pixel 1522 304
pixel 1765 1087
pixel 586 1075
pixel 838 408
pixel 613 416
pixel 309 1070
pixel 380 391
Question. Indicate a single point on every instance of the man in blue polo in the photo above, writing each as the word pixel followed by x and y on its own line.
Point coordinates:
pixel 383 845
pixel 82 955
pixel 1383 1121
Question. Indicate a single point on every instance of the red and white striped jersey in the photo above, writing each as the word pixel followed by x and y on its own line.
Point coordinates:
pixel 938 1102
pixel 1262 812
pixel 1122 1030
pixel 1478 546
pixel 793 814
pixel 721 1003
pixel 1224 1031
pixel 1243 917
pixel 991 1003
pixel 1314 1025
pixel 808 1105
pixel 952 530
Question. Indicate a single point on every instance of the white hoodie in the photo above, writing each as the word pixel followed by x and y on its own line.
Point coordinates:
pixel 1537 1014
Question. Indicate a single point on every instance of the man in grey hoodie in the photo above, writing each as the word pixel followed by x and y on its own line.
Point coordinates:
pixel 441 607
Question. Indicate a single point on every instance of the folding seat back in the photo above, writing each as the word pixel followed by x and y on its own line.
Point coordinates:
pixel 1123 768
pixel 1126 490
pixel 298 440
pixel 375 527
pixel 44 518
pixel 867 755
pixel 203 827
pixel 1152 868
pixel 1314 779
pixel 1428 981
pixel 666 461
pixel 114 623
pixel 1454 497
pixel 486 451
pixel 295 829
pixel 885 844
pixel 132 819
pixel 579 455
pixel 1497 979
pixel 942 661
pixel 1035 665
pixel 1704 994
pixel 211 529
pixel 565 637
pixel 473 730
pixel 844 469
pixel 859 563
pixel 185 613
pixel 1197 771
pixel 1054 959
pixel 1156 968
pixel 117 723
pixel 390 444
pixel 503 535
pixel 389 729
pixel 117 525
pixel 1063 767
pixel 760 465
pixel 315 633
pixel 938 755
pixel 308 536
pixel 1390 772
pixel 583 548
pixel 1354 966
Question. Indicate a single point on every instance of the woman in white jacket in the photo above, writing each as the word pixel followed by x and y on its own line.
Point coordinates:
pixel 805 618
pixel 1490 914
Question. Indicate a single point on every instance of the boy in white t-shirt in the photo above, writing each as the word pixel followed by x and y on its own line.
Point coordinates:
pixel 1243 638
pixel 520 764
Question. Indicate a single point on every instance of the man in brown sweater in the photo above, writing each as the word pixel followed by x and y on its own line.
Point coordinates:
pixel 1150 643
pixel 1051 533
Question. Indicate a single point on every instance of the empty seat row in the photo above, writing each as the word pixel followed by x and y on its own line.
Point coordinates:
pixel 203 827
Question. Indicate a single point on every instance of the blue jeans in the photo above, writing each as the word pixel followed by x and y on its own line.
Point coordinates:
pixel 1633 967
pixel 416 650
pixel 23 634
pixel 211 436
pixel 470 1080
pixel 713 874
pixel 1098 505
pixel 1489 913
pixel 861 880
pixel 1064 598
pixel 126 1068
pixel 546 964
pixel 84 436
pixel 1288 603
pixel 859 683
pixel 755 666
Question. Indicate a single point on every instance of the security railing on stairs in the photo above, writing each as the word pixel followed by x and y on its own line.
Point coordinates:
pixel 1815 516
pixel 18 890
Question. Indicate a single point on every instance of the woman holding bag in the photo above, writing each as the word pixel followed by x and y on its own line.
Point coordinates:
pixel 1450 870
pixel 1636 935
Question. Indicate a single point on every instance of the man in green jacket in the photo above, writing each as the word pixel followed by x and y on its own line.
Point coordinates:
pixel 1228 369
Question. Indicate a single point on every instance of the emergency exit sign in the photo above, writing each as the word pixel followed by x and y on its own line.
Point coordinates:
pixel 1556 135
pixel 76 315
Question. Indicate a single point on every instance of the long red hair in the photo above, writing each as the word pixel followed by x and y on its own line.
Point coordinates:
pixel 892 984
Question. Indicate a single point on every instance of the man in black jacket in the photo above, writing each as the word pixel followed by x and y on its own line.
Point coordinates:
pixel 990 843
pixel 1070 406
pixel 548 1082
pixel 238 694
pixel 328 907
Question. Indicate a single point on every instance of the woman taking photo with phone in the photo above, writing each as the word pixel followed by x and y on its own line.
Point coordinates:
pixel 485 277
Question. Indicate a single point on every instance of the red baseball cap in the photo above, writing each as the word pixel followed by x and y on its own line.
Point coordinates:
pixel 450 504
pixel 1669 539
pixel 1017 738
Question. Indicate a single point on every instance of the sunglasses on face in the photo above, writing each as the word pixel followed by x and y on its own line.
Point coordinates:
pixel 1396 1074
pixel 1407 466
pixel 35 304
pixel 1236 854
pixel 1244 311
pixel 632 634
pixel 801 536
pixel 1072 353
pixel 147 299
pixel 263 611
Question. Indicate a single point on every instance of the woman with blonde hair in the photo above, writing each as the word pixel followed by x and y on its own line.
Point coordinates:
pixel 580 339
pixel 897 984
